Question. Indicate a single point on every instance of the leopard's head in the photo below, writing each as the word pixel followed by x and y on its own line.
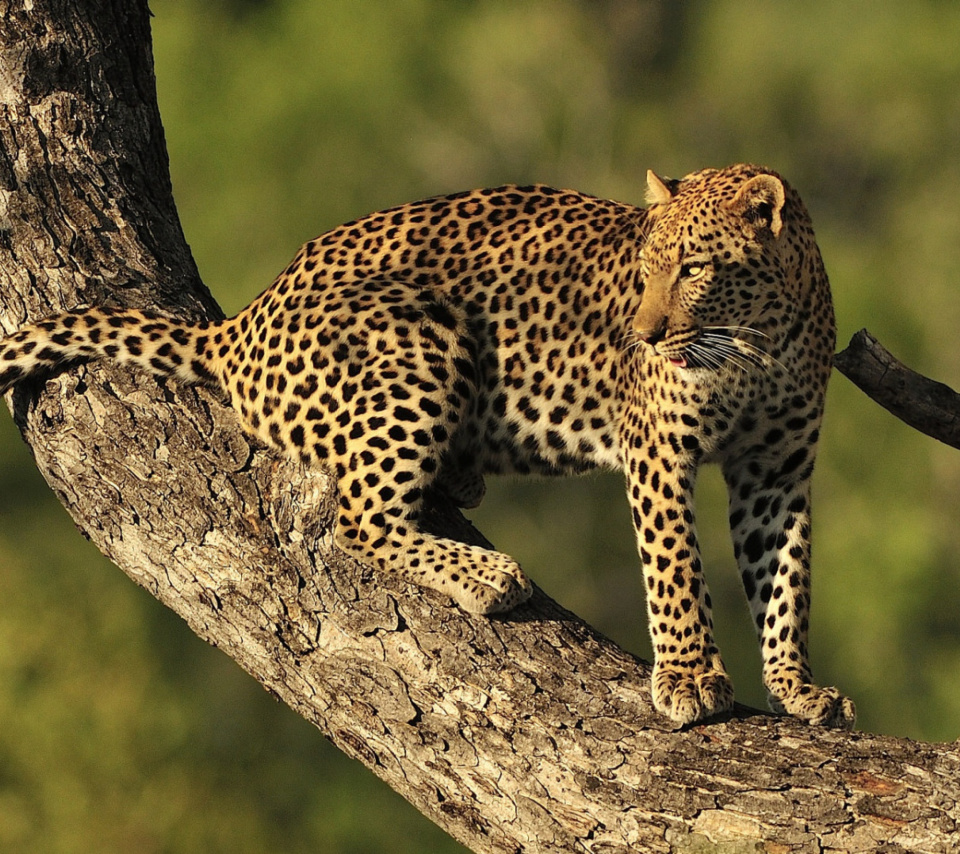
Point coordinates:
pixel 730 254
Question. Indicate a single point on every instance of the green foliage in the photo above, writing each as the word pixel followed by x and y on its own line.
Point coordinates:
pixel 123 732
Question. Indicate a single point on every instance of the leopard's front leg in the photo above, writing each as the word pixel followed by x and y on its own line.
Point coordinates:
pixel 689 678
pixel 770 524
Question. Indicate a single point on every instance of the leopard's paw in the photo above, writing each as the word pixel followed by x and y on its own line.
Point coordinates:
pixel 815 705
pixel 491 591
pixel 687 692
pixel 481 581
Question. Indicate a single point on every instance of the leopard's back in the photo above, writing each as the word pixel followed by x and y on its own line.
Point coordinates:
pixel 533 287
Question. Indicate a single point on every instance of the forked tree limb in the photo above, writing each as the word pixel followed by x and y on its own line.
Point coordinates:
pixel 526 733
pixel 925 404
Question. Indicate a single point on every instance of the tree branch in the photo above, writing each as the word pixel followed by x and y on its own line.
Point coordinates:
pixel 926 405
pixel 526 733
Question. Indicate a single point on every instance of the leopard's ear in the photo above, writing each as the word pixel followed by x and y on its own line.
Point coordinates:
pixel 760 201
pixel 658 191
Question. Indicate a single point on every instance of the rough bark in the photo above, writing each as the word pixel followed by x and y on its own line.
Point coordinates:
pixel 925 404
pixel 525 733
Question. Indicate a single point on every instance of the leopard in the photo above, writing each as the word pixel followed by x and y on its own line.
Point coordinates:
pixel 531 330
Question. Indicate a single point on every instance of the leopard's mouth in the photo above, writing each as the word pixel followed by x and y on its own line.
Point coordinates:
pixel 716 348
pixel 695 348
pixel 680 348
pixel 694 357
pixel 679 357
pixel 681 352
pixel 691 354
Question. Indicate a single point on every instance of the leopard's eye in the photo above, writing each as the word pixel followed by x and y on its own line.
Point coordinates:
pixel 692 271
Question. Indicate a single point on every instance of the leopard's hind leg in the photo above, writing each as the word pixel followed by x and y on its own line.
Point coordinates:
pixel 382 480
pixel 394 387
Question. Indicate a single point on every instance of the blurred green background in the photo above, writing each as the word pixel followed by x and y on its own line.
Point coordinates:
pixel 122 732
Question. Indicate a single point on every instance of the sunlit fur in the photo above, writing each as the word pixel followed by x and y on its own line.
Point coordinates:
pixel 533 330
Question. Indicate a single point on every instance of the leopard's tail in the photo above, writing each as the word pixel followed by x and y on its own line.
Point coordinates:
pixel 159 345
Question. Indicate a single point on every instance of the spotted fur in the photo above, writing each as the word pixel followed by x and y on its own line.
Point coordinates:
pixel 528 329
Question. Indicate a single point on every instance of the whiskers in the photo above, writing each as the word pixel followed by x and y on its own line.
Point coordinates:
pixel 718 345
pixel 714 348
pixel 628 342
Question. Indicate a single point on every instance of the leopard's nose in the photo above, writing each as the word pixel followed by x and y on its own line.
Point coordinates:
pixel 653 333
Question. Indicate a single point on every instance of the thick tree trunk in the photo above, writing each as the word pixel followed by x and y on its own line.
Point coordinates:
pixel 526 733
